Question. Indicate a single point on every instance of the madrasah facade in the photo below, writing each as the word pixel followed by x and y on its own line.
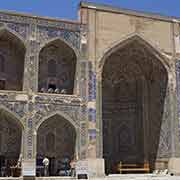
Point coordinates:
pixel 104 88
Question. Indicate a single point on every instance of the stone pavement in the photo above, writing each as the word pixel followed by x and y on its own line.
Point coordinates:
pixel 123 177
pixel 110 177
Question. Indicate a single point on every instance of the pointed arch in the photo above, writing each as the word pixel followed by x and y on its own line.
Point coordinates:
pixel 13 115
pixel 128 40
pixel 13 50
pixel 66 56
pixel 57 138
pixel 12 136
pixel 139 73
pixel 60 114
pixel 56 39
pixel 14 34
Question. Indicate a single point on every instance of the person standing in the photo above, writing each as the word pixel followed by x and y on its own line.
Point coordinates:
pixel 46 165
pixel 73 166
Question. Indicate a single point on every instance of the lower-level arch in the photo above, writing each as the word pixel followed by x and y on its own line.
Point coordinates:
pixel 57 141
pixel 11 140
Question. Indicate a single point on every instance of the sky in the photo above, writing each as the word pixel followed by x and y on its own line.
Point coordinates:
pixel 67 9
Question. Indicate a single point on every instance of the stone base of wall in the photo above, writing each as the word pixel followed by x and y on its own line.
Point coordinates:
pixel 96 167
pixel 174 165
pixel 161 164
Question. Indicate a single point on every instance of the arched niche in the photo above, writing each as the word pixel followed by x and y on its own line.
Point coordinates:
pixel 11 137
pixel 134 87
pixel 57 66
pixel 56 140
pixel 12 55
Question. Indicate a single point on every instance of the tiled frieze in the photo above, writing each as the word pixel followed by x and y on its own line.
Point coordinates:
pixel 20 18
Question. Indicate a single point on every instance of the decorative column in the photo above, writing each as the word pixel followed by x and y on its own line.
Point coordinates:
pixel 174 162
pixel 99 115
pixel 177 99
pixel 31 61
pixel 95 161
pixel 29 161
pixel 83 84
pixel 87 84
pixel 96 164
pixel 92 134
pixel 30 86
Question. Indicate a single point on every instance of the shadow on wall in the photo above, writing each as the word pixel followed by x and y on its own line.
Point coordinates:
pixel 12 54
pixel 57 65
pixel 134 84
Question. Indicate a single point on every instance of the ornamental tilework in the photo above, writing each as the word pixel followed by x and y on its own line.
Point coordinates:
pixel 92 115
pixel 61 25
pixel 92 99
pixel 44 110
pixel 17 107
pixel 30 124
pixel 5 17
pixel 21 29
pixel 14 18
pixel 92 84
pixel 83 79
pixel 92 134
pixel 47 33
pixel 82 108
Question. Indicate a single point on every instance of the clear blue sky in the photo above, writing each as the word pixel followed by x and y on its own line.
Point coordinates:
pixel 68 8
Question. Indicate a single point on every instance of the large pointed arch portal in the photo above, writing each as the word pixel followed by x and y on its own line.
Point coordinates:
pixel 134 83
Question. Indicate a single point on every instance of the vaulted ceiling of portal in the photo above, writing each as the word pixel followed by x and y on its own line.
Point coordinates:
pixel 131 62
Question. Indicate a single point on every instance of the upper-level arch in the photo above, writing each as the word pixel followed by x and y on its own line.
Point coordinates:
pixel 5 29
pixel 12 51
pixel 59 51
pixel 76 51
